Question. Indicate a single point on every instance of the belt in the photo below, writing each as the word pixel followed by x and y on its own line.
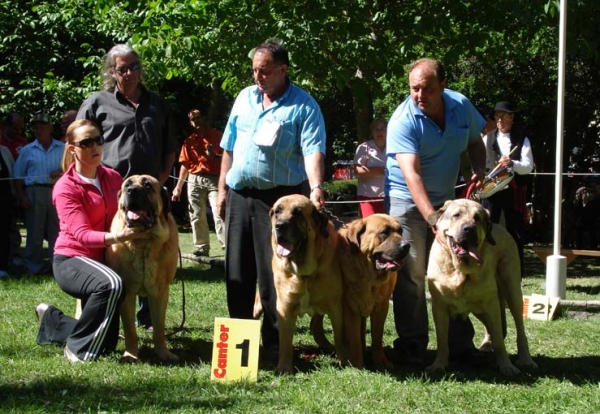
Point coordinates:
pixel 279 190
pixel 41 185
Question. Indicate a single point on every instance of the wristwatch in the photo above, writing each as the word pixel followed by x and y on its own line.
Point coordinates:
pixel 314 187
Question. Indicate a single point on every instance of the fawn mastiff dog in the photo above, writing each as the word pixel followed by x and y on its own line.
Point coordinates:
pixel 148 265
pixel 306 271
pixel 373 252
pixel 474 270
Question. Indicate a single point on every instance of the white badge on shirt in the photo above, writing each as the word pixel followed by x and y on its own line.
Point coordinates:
pixel 267 133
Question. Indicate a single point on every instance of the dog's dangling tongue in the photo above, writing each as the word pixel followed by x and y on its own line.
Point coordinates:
pixel 282 251
pixel 132 215
pixel 283 247
pixel 475 255
pixel 462 250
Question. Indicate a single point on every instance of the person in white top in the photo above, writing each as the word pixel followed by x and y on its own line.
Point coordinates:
pixel 369 164
pixel 508 147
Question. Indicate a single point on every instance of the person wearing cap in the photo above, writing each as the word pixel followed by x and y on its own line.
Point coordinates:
pixel 36 170
pixel 508 147
pixel 135 123
pixel 200 160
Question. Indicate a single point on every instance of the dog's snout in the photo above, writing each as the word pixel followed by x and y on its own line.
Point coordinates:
pixel 281 225
pixel 468 229
pixel 133 190
pixel 404 248
pixel 404 245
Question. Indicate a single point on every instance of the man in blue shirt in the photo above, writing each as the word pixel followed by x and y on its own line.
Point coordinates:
pixel 274 145
pixel 426 136
pixel 37 169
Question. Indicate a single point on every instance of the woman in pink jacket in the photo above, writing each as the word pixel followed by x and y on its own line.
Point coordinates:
pixel 86 201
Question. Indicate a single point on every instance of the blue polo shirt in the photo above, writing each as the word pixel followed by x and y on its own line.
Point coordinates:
pixel 410 131
pixel 297 123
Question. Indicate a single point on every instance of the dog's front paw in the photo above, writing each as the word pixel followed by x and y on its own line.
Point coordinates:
pixel 381 362
pixel 284 370
pixel 509 369
pixel 527 363
pixel 168 357
pixel 436 368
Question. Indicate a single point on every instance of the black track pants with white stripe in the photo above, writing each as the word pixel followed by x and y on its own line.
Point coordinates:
pixel 101 292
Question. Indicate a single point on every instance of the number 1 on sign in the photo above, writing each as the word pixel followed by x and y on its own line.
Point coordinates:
pixel 235 349
pixel 244 346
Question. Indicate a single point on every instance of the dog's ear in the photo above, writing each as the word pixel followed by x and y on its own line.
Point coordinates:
pixel 355 231
pixel 322 220
pixel 442 210
pixel 487 223
pixel 166 202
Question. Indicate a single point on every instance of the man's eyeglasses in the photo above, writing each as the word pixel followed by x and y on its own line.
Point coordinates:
pixel 89 142
pixel 134 67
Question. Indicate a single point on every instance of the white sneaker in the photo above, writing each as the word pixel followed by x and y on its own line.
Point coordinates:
pixel 3 274
pixel 71 356
pixel 40 310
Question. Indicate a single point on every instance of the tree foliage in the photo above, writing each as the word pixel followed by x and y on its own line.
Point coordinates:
pixel 351 56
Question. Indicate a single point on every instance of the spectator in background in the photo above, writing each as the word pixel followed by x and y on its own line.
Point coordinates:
pixel 68 117
pixel 500 143
pixel 135 123
pixel 426 136
pixel 586 209
pixel 38 168
pixel 274 145
pixel 200 160
pixel 13 137
pixel 6 208
pixel 369 164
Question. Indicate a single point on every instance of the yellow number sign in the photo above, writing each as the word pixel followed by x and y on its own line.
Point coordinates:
pixel 235 349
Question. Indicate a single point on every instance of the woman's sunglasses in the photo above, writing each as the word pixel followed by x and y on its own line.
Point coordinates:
pixel 89 142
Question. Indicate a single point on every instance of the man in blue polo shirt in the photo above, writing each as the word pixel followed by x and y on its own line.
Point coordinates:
pixel 426 136
pixel 274 145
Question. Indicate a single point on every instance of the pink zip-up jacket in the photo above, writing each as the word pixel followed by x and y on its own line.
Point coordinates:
pixel 84 214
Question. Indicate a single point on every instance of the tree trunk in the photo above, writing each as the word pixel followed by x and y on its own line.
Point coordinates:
pixel 363 115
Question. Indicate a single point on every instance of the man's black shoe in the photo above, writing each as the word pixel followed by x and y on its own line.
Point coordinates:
pixel 408 355
pixel 201 252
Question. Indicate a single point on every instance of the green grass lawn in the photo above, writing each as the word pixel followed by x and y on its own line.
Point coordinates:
pixel 38 379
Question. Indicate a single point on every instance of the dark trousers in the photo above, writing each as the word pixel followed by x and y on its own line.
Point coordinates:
pixel 6 219
pixel 101 291
pixel 248 256
pixel 503 201
pixel 409 302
